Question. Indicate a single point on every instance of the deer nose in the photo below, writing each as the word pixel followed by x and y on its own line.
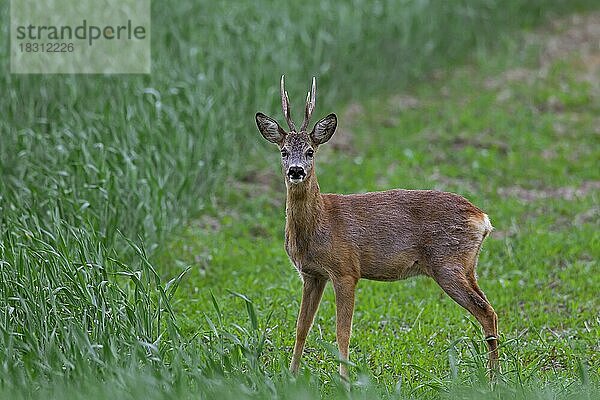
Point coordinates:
pixel 296 173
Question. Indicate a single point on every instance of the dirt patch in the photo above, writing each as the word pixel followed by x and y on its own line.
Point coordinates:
pixel 461 142
pixel 512 75
pixel 577 33
pixel 402 102
pixel 344 138
pixel 208 223
pixel 591 215
pixel 574 38
pixel 260 182
pixel 264 179
pixel 564 193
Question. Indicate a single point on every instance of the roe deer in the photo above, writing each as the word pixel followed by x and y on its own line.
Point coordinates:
pixel 383 236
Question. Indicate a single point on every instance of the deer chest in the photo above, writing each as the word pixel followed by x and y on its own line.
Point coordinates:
pixel 306 262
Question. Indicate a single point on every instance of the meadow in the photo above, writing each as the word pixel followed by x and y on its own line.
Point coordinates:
pixel 141 217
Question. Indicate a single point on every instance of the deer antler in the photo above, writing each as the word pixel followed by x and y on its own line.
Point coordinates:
pixel 285 105
pixel 311 98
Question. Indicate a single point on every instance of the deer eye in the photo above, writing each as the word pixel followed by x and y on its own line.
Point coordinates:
pixel 284 153
pixel 310 153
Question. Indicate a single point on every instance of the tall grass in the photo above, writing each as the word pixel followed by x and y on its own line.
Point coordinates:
pixel 96 170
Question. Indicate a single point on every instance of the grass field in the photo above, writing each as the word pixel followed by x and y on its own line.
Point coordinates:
pixel 520 139
pixel 141 218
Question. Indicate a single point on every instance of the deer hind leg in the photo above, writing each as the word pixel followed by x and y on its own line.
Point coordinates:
pixel 312 291
pixel 491 332
pixel 462 287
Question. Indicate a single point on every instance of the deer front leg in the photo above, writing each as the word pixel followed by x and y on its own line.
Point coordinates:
pixel 312 291
pixel 344 303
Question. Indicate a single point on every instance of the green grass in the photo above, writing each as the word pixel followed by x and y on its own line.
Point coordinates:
pixel 111 186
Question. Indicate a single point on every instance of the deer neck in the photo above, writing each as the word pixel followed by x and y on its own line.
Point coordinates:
pixel 304 209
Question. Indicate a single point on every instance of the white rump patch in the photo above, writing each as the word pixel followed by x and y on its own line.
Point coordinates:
pixel 487 225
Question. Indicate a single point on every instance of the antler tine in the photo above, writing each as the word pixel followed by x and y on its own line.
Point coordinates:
pixel 285 105
pixel 311 98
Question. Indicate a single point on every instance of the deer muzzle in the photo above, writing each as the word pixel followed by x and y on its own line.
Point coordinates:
pixel 296 174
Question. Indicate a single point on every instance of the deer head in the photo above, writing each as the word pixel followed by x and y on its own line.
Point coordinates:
pixel 297 147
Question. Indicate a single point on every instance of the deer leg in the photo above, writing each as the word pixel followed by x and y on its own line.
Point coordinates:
pixel 312 291
pixel 491 335
pixel 344 303
pixel 464 290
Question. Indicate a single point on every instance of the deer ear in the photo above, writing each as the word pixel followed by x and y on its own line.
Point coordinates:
pixel 324 129
pixel 270 129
